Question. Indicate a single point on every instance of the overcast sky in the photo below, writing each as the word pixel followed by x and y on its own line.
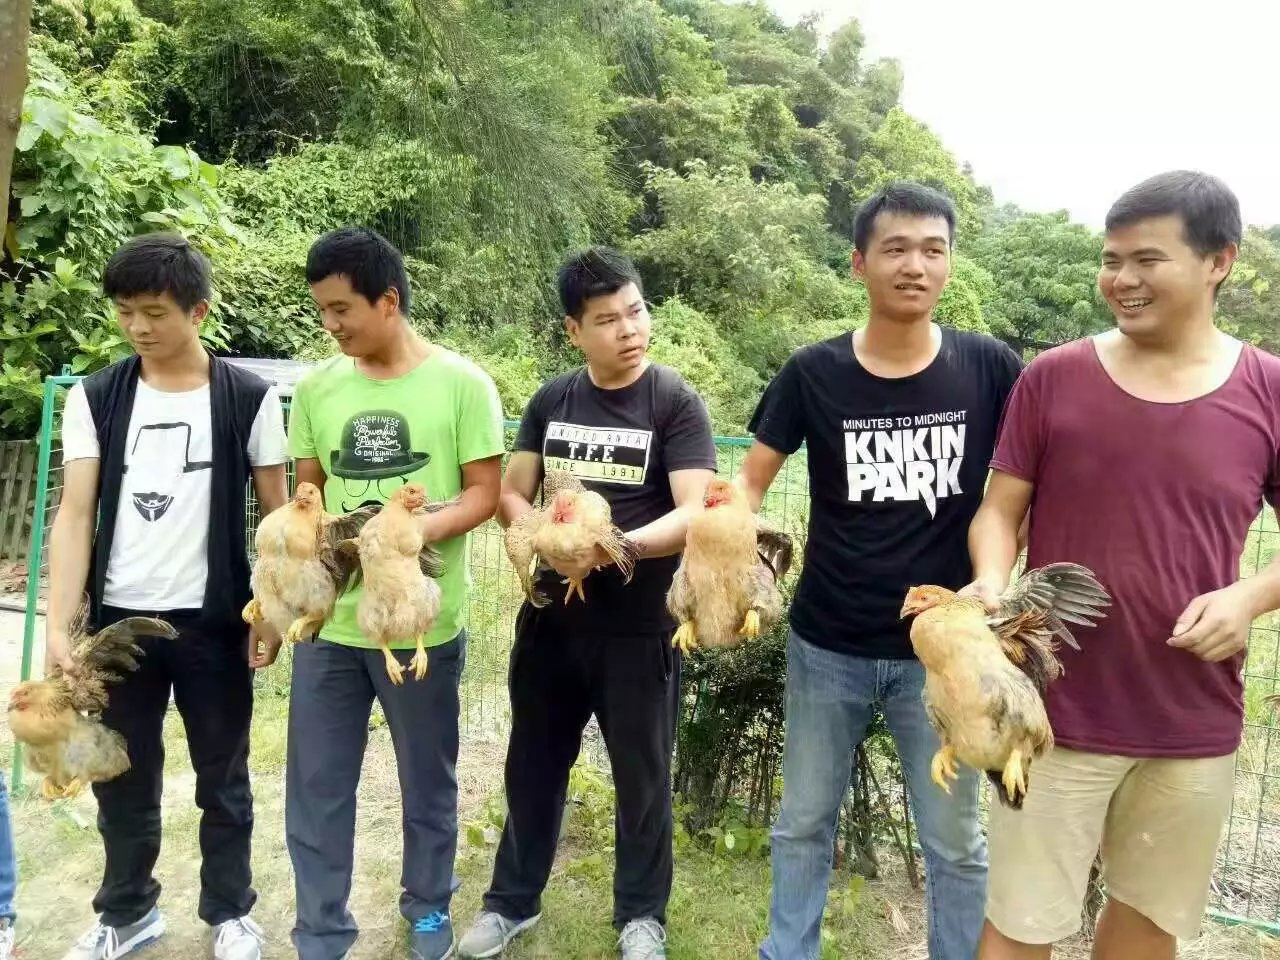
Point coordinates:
pixel 1065 105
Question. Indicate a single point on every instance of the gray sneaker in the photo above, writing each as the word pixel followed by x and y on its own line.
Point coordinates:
pixel 643 940
pixel 109 943
pixel 490 934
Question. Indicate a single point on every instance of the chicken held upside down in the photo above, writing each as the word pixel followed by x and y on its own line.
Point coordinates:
pixel 302 567
pixel 726 586
pixel 986 674
pixel 400 599
pixel 57 718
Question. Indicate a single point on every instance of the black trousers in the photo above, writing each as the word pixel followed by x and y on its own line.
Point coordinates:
pixel 208 671
pixel 560 674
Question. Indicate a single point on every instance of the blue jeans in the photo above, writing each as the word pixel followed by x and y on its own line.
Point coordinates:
pixel 830 698
pixel 8 863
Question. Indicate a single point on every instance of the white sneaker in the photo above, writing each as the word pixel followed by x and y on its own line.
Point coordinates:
pixel 110 943
pixel 7 935
pixel 239 939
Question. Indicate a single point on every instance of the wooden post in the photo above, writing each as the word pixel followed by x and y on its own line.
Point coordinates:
pixel 15 24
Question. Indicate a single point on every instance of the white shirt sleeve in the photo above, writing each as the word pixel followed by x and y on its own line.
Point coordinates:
pixel 268 444
pixel 79 434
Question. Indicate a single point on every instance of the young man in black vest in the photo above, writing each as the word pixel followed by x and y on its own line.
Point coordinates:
pixel 157 453
pixel 636 433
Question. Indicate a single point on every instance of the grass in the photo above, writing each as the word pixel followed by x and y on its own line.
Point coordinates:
pixel 718 907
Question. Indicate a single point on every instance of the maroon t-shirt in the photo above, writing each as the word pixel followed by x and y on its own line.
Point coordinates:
pixel 1157 499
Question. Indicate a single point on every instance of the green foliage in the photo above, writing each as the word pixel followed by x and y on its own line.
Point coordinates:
pixel 690 342
pixel 903 147
pixel 82 187
pixel 1249 301
pixel 1043 271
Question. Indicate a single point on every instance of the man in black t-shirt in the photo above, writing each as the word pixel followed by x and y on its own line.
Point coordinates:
pixel 637 434
pixel 899 420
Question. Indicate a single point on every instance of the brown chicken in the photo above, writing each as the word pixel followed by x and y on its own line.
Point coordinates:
pixel 726 587
pixel 985 675
pixel 57 718
pixel 302 567
pixel 400 599
pixel 568 528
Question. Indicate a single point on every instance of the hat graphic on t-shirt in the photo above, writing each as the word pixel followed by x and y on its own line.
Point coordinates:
pixel 374 445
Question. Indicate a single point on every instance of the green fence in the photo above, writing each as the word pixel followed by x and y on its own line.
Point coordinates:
pixel 1246 883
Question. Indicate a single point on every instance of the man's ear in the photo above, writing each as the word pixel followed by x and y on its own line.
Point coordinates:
pixel 572 328
pixel 1224 262
pixel 859 265
pixel 200 311
pixel 390 301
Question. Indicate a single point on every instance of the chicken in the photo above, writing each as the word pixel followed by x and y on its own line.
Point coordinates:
pixel 301 569
pixel 726 587
pixel 986 675
pixel 57 718
pixel 400 599
pixel 569 526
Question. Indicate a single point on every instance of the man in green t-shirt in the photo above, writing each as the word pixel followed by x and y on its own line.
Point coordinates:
pixel 393 409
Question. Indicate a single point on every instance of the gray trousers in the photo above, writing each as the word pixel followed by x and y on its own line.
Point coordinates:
pixel 331 698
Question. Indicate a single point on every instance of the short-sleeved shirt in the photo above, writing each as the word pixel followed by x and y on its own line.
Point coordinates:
pixel 374 436
pixel 159 550
pixel 1157 500
pixel 622 443
pixel 896 472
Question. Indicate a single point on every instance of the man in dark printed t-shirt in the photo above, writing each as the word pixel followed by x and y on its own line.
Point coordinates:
pixel 1147 451
pixel 899 419
pixel 637 434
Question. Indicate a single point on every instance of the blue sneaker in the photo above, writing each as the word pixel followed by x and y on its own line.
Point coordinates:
pixel 432 938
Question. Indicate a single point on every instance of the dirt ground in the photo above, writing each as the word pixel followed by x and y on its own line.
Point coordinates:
pixel 60 863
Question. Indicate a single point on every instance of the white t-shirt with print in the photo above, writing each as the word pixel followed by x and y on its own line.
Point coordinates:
pixel 159 558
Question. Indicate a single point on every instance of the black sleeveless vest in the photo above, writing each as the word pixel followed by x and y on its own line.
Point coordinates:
pixel 235 395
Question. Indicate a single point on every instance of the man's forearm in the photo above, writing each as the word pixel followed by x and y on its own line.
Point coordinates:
pixel 70 547
pixel 511 507
pixel 993 546
pixel 662 537
pixel 467 511
pixel 1263 589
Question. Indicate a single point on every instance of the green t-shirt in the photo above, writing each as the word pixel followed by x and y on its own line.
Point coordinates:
pixel 374 436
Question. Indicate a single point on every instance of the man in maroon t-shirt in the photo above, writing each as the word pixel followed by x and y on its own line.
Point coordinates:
pixel 1144 453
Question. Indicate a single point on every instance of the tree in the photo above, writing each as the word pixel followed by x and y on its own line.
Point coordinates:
pixel 15 22
pixel 1045 272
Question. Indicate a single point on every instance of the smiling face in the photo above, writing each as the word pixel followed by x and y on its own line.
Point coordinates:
pixel 1155 283
pixel 613 334
pixel 360 328
pixel 905 265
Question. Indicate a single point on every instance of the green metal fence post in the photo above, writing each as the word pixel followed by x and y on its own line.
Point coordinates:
pixel 34 555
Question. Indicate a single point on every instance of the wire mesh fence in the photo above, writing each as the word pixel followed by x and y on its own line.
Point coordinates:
pixel 1246 881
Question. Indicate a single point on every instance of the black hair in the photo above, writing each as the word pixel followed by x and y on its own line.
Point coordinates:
pixel 158 263
pixel 1209 211
pixel 904 196
pixel 366 258
pixel 594 272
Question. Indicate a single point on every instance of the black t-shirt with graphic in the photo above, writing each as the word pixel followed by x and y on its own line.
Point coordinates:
pixel 897 468
pixel 622 444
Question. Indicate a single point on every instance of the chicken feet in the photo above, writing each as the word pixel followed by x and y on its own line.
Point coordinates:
pixel 944 766
pixel 686 639
pixel 751 624
pixel 303 627
pixel 418 664
pixel 394 670
pixel 575 586
pixel 1015 778
pixel 252 612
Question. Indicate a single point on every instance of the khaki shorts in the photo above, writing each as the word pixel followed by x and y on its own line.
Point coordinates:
pixel 1158 823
